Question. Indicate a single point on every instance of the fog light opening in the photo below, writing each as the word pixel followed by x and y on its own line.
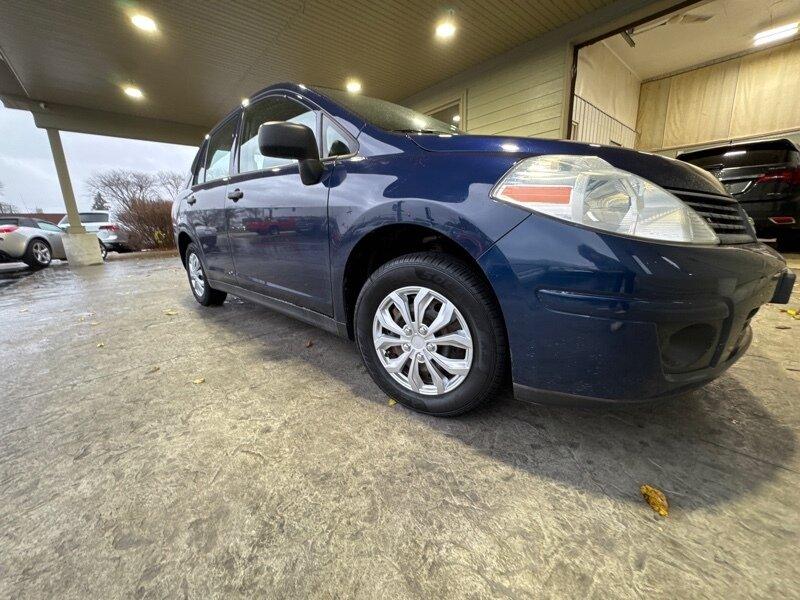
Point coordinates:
pixel 687 346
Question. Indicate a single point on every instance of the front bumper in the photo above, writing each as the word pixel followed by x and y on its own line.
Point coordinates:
pixel 598 317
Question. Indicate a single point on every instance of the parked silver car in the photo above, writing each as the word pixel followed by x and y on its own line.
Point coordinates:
pixel 33 241
pixel 111 235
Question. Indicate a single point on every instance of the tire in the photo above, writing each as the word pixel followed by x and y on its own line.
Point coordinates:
pixel 198 282
pixel 103 251
pixel 38 254
pixel 439 278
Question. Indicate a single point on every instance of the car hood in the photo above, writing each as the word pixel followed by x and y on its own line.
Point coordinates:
pixel 663 171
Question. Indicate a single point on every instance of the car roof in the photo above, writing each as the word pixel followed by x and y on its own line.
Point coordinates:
pixel 776 144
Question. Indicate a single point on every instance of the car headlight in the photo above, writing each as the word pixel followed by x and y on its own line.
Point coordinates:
pixel 589 191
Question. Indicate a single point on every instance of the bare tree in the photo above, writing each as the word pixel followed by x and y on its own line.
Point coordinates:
pixel 141 201
pixel 7 208
pixel 171 183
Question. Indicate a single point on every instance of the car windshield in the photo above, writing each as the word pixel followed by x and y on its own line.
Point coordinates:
pixel 387 115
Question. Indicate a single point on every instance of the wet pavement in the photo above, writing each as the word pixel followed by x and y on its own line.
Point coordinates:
pixel 150 447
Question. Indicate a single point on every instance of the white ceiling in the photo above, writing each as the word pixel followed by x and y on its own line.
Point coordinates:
pixel 678 46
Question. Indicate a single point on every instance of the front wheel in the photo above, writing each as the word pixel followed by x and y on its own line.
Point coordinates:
pixel 431 335
pixel 38 254
pixel 103 251
pixel 198 282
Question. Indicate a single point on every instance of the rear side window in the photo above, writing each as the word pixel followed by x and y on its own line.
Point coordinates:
pixel 94 217
pixel 47 226
pixel 218 152
pixel 7 221
pixel 271 108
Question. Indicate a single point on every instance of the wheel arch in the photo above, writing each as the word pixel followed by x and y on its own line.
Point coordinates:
pixel 388 242
pixel 184 239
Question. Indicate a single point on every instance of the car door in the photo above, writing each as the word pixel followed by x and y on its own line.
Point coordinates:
pixel 205 203
pixel 278 225
pixel 55 236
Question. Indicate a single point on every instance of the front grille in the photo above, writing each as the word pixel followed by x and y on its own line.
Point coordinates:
pixel 725 216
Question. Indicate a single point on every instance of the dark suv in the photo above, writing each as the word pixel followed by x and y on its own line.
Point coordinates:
pixel 457 262
pixel 765 178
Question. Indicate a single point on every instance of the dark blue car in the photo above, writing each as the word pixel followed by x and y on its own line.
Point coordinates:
pixel 459 262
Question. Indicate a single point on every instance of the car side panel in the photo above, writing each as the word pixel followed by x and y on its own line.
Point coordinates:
pixel 439 191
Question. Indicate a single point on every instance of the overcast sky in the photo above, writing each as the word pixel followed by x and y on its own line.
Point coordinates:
pixel 29 176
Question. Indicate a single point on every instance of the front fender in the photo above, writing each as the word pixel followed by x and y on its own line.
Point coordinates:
pixel 446 193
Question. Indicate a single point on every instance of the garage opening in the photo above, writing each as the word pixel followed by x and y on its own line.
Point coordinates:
pixel 711 73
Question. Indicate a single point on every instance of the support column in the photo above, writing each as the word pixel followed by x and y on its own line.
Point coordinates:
pixel 82 248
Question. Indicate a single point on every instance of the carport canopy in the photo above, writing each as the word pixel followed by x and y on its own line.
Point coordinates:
pixel 69 63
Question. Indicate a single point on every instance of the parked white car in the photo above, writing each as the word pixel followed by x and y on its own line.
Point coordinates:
pixel 111 235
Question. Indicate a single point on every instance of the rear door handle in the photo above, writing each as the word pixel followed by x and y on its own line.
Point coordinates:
pixel 191 200
pixel 236 195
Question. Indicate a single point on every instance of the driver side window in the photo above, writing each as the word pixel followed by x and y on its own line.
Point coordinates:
pixel 271 108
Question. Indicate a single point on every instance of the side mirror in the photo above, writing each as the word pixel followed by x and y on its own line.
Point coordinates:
pixel 294 141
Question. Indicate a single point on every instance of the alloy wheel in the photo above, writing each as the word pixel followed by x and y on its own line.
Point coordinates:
pixel 41 253
pixel 422 340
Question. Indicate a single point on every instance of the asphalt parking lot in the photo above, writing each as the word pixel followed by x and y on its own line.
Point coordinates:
pixel 154 448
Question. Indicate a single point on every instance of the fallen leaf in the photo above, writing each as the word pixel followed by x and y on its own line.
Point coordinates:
pixel 656 499
pixel 170 312
pixel 792 312
pixel 199 381
pixel 309 343
pixel 392 402
pixel 154 369
pixel 101 345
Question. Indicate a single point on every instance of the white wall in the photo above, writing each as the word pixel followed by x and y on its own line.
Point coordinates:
pixel 607 83
pixel 748 96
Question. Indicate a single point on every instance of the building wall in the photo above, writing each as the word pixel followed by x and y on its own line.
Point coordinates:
pixel 526 91
pixel 522 97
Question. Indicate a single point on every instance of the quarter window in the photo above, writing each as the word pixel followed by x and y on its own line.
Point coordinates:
pixel 47 226
pixel 218 154
pixel 271 108
pixel 336 144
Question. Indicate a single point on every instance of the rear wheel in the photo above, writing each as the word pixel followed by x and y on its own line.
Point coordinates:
pixel 431 334
pixel 198 282
pixel 103 251
pixel 38 255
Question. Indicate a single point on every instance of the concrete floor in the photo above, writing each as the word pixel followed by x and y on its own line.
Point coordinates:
pixel 287 474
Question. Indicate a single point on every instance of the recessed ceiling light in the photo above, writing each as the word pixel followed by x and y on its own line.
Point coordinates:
pixel 353 86
pixel 456 118
pixel 445 30
pixel 245 102
pixel 133 92
pixel 775 34
pixel 144 23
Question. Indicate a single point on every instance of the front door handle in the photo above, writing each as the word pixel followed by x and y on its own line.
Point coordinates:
pixel 191 200
pixel 236 195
